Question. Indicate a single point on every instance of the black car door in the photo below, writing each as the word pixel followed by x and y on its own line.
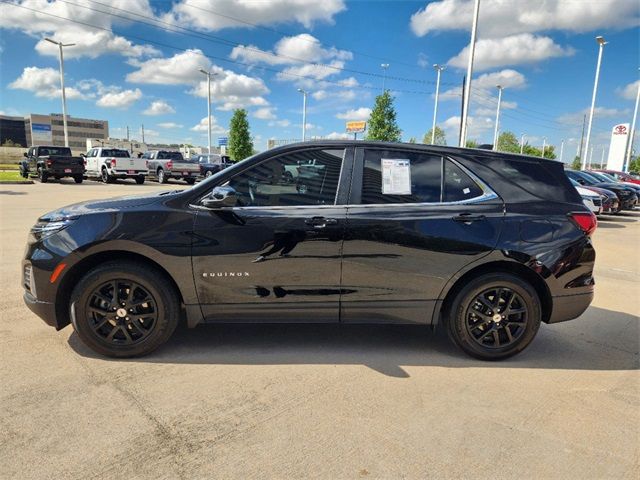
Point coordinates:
pixel 414 220
pixel 276 254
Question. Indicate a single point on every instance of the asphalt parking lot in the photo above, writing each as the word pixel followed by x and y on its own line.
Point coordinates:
pixel 319 401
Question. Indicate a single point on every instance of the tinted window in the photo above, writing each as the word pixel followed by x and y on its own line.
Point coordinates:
pixel 307 177
pixel 61 151
pixel 424 177
pixel 114 152
pixel 170 156
pixel 458 185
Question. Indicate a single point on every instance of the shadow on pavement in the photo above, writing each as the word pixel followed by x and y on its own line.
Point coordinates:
pixel 576 345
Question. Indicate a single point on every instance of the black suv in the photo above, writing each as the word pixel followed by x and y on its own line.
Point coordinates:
pixel 489 244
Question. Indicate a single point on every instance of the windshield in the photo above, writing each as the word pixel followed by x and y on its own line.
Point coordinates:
pixel 61 151
pixel 170 156
pixel 114 152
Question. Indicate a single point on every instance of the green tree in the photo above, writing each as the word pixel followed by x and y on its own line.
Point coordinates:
pixel 508 142
pixel 440 138
pixel 240 144
pixel 472 144
pixel 577 163
pixel 382 122
pixel 549 151
pixel 412 140
pixel 634 165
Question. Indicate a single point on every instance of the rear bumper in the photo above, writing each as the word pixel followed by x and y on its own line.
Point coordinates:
pixel 126 173
pixel 60 171
pixel 569 307
pixel 45 310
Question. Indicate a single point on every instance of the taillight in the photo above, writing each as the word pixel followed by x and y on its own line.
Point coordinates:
pixel 146 164
pixel 586 222
pixel 169 164
pixel 113 162
pixel 49 162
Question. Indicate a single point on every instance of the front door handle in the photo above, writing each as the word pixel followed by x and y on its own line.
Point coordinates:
pixel 468 218
pixel 320 222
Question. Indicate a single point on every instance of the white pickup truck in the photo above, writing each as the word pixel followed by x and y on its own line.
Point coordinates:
pixel 108 164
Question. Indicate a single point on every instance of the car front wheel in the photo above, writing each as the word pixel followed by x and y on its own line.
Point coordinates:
pixel 494 316
pixel 124 309
pixel 140 179
pixel 42 175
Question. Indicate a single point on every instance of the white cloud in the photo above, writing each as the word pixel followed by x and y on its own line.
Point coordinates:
pixel 499 18
pixel 215 15
pixel 423 61
pixel 339 136
pixel 45 83
pixel 36 21
pixel 171 125
pixel 230 89
pixel 476 127
pixel 520 49
pixel 629 91
pixel 159 107
pixel 202 126
pixel 575 118
pixel 122 99
pixel 362 113
pixel 345 95
pixel 265 113
pixel 279 123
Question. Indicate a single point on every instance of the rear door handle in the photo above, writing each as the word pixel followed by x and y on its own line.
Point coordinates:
pixel 320 222
pixel 468 218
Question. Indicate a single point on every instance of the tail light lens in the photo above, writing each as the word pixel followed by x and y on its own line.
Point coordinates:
pixel 113 162
pixel 49 162
pixel 146 164
pixel 586 222
pixel 169 164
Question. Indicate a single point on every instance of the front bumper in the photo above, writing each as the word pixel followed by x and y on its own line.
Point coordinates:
pixel 569 307
pixel 45 310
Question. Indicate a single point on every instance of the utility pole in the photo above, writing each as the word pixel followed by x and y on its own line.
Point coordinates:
pixel 584 121
pixel 439 69
pixel 384 66
pixel 464 82
pixel 590 156
pixel 304 113
pixel 64 95
pixel 209 75
pixel 602 158
pixel 495 132
pixel 601 41
pixel 632 132
pixel 467 89
pixel 143 133
pixel 127 133
pixel 522 143
pixel 544 144
pixel 561 149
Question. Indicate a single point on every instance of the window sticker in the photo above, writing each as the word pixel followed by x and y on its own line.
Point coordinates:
pixel 396 176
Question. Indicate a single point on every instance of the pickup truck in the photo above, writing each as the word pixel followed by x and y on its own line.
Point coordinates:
pixel 164 164
pixel 211 163
pixel 108 164
pixel 47 162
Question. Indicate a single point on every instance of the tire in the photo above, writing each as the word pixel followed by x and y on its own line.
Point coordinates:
pixel 140 179
pixel 478 328
pixel 190 181
pixel 208 173
pixel 78 179
pixel 161 176
pixel 111 333
pixel 104 175
pixel 42 175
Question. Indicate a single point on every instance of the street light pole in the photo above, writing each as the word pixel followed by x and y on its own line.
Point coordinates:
pixel 304 113
pixel 439 69
pixel 467 86
pixel 544 144
pixel 561 149
pixel 632 132
pixel 601 41
pixel 64 95
pixel 208 74
pixel 384 74
pixel 522 143
pixel 495 132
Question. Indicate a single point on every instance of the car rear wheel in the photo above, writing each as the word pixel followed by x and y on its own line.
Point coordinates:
pixel 161 176
pixel 140 179
pixel 190 181
pixel 208 173
pixel 124 309
pixel 494 316
pixel 42 175
pixel 106 178
pixel 78 179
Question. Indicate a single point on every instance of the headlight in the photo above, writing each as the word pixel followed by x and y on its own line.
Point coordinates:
pixel 45 228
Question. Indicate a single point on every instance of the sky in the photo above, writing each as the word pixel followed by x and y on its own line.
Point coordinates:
pixel 137 62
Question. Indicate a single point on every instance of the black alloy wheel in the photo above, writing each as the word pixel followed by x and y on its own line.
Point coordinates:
pixel 140 179
pixel 42 175
pixel 106 178
pixel 493 316
pixel 124 309
pixel 496 318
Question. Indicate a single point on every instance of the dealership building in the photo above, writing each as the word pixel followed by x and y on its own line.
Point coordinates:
pixel 36 129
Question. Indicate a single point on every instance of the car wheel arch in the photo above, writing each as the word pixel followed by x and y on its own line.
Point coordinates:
pixel 79 269
pixel 512 268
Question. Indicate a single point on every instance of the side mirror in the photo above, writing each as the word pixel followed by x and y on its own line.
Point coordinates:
pixel 221 197
pixel 83 155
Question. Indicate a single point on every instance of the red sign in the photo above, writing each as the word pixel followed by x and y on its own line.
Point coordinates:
pixel 620 130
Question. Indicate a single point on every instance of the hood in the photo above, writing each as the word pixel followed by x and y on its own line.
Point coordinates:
pixel 614 186
pixel 587 193
pixel 119 203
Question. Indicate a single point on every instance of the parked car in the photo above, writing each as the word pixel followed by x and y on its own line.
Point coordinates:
pixel 605 177
pixel 622 176
pixel 109 164
pixel 211 163
pixel 610 201
pixel 591 199
pixel 626 196
pixel 489 244
pixel 164 164
pixel 46 161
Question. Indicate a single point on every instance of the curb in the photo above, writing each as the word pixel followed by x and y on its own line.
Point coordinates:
pixel 17 182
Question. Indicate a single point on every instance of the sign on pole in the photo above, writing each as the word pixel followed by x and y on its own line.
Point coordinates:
pixel 618 146
pixel 222 141
pixel 356 127
pixel 41 133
